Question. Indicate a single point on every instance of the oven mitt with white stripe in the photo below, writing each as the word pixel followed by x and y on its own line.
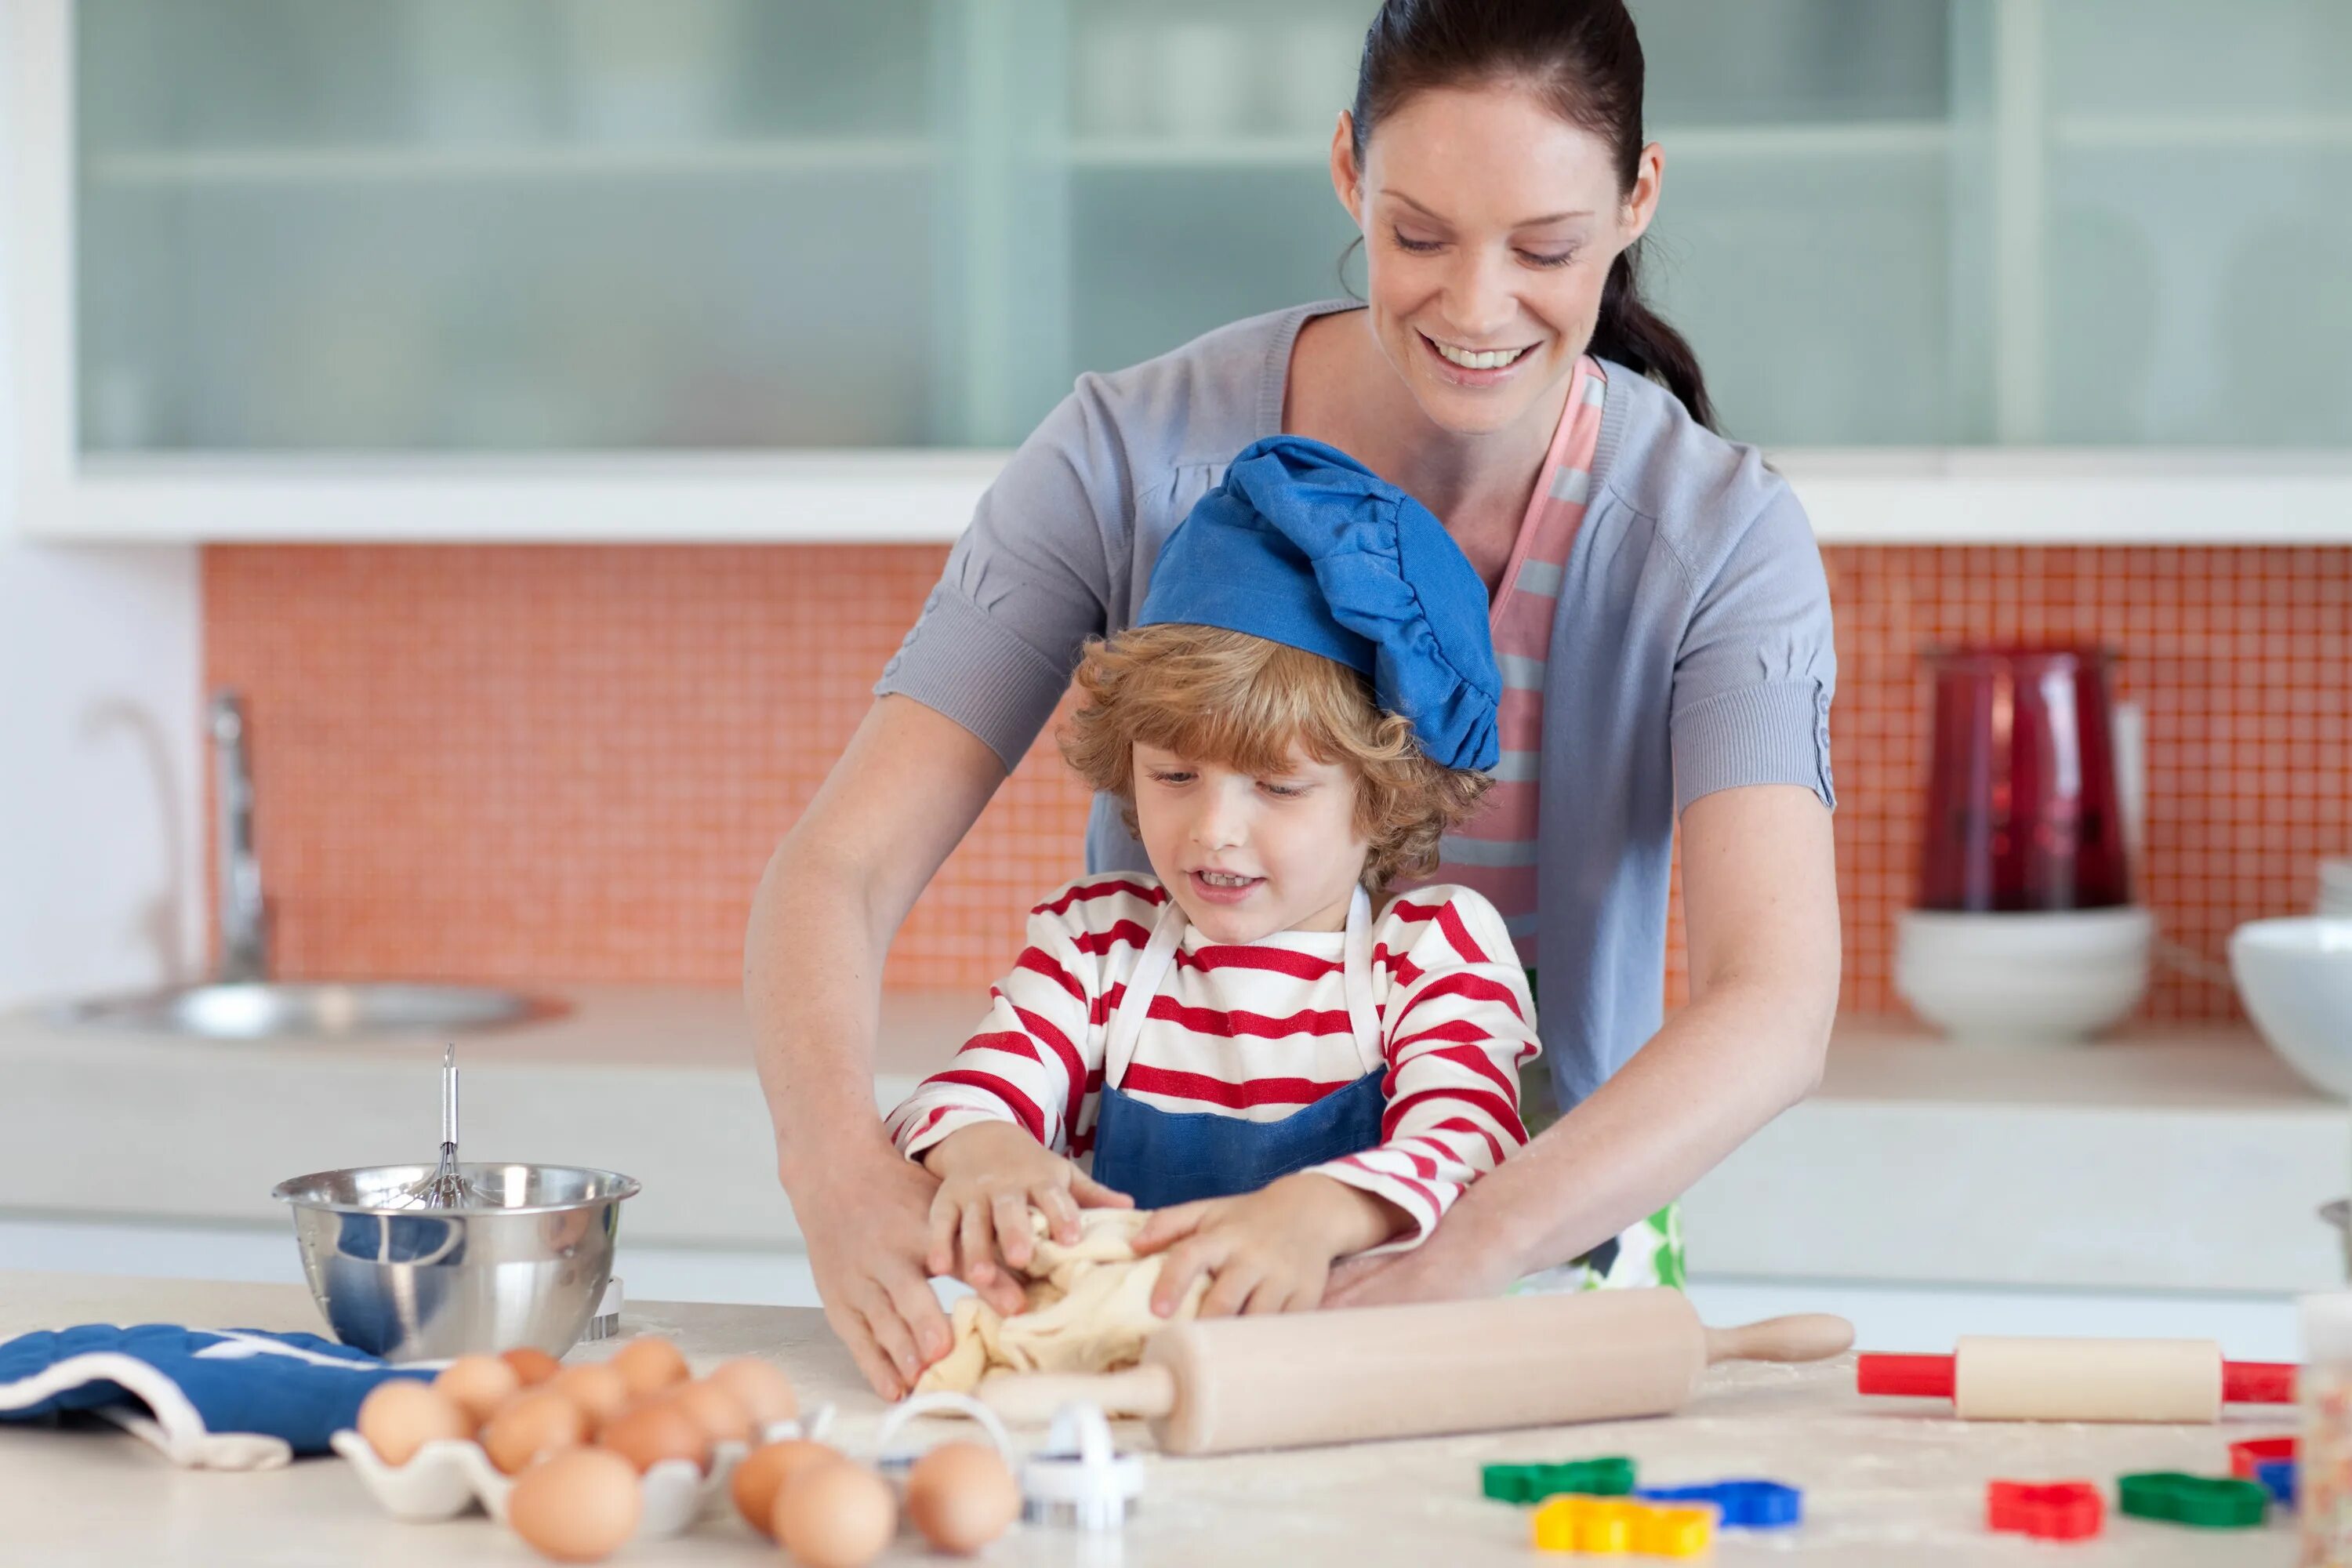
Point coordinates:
pixel 227 1399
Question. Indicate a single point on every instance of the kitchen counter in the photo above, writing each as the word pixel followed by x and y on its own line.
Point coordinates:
pixel 2177 1159
pixel 1885 1481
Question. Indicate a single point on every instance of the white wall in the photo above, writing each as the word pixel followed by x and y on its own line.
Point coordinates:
pixel 100 844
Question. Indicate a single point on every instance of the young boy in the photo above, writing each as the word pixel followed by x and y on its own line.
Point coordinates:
pixel 1254 1040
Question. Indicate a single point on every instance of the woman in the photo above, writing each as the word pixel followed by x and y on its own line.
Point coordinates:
pixel 1662 588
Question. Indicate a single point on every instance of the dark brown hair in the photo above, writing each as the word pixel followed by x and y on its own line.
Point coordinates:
pixel 1585 57
pixel 1214 696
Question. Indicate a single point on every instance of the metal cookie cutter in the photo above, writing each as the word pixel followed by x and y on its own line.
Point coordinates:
pixel 1079 1480
pixel 894 1463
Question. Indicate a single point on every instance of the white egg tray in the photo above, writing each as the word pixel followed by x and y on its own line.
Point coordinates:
pixel 446 1476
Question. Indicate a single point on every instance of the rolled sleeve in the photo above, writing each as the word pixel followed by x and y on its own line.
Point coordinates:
pixel 1758 668
pixel 977 670
pixel 1027 585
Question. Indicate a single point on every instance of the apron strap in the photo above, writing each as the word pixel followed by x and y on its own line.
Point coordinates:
pixel 1151 971
pixel 1361 1014
pixel 1143 983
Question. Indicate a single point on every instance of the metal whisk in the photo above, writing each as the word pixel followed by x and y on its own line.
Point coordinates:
pixel 448 1187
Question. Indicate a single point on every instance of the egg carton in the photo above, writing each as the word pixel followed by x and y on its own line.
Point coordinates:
pixel 449 1475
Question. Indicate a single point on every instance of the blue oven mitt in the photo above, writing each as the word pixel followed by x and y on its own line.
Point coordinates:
pixel 237 1399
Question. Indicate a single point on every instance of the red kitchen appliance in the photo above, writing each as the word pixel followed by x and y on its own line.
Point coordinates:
pixel 2022 808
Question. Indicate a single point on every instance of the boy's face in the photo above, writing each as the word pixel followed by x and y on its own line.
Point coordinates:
pixel 1247 856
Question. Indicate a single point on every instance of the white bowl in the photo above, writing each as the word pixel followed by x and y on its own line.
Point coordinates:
pixel 2296 979
pixel 2023 979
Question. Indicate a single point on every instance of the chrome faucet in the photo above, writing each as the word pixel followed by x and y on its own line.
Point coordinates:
pixel 244 936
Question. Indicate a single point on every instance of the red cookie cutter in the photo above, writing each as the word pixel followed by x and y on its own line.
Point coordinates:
pixel 2056 1511
pixel 2245 1457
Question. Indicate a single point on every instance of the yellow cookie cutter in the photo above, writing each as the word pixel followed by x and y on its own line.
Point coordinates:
pixel 1614 1527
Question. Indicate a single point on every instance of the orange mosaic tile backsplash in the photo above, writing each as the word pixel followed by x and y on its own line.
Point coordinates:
pixel 540 763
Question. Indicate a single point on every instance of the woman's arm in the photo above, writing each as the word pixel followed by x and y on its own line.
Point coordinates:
pixel 903 794
pixel 1759 898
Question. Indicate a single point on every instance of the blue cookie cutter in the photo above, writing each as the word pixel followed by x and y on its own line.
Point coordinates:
pixel 1745 1505
pixel 2277 1476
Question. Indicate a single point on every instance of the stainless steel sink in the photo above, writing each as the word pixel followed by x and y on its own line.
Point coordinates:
pixel 242 1002
pixel 259 1010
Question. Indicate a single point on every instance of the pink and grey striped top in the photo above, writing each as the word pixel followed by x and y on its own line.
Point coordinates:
pixel 1494 852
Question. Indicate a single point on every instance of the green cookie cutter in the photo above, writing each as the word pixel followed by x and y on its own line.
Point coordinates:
pixel 2209 1502
pixel 1611 1475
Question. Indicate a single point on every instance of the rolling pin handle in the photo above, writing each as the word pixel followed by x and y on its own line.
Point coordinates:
pixel 1904 1376
pixel 1806 1336
pixel 2258 1383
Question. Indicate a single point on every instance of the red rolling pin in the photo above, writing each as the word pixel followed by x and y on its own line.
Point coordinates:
pixel 2001 1379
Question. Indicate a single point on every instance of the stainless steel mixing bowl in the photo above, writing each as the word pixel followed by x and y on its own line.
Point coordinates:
pixel 526 1268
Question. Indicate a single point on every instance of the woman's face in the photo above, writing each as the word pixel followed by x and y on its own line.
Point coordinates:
pixel 1489 227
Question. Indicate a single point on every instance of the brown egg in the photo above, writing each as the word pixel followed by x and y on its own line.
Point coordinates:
pixel 759 1386
pixel 577 1507
pixel 478 1382
pixel 402 1414
pixel 533 1366
pixel 836 1515
pixel 531 1426
pixel 765 1472
pixel 649 1365
pixel 651 1433
pixel 597 1387
pixel 962 1496
pixel 719 1413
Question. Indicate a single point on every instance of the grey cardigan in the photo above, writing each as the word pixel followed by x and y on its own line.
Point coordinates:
pixel 1692 652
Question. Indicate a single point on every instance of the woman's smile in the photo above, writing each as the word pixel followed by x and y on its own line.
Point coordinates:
pixel 1475 368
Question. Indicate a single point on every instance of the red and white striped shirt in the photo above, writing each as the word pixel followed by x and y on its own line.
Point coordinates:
pixel 1257 1030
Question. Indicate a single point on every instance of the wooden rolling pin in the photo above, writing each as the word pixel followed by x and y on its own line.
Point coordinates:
pixel 1995 1379
pixel 1295 1379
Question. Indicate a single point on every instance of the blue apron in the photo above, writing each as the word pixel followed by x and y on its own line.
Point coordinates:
pixel 1163 1157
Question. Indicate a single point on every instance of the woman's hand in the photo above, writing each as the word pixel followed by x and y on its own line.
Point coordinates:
pixel 861 1217
pixel 1448 1267
pixel 1270 1250
pixel 991 1175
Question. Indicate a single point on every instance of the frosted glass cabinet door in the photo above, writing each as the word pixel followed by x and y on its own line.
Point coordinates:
pixel 2198 223
pixel 392 225
pixel 440 226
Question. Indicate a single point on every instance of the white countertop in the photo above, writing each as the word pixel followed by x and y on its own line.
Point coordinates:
pixel 1885 1481
pixel 2176 1160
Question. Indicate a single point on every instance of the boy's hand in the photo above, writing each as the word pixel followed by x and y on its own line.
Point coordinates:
pixel 1269 1250
pixel 991 1175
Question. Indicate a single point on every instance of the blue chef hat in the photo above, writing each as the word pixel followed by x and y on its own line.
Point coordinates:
pixel 1303 545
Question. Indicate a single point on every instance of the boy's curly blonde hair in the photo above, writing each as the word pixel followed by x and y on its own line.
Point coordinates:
pixel 1214 696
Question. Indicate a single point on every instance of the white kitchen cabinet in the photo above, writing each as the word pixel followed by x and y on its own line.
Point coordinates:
pixel 689 269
